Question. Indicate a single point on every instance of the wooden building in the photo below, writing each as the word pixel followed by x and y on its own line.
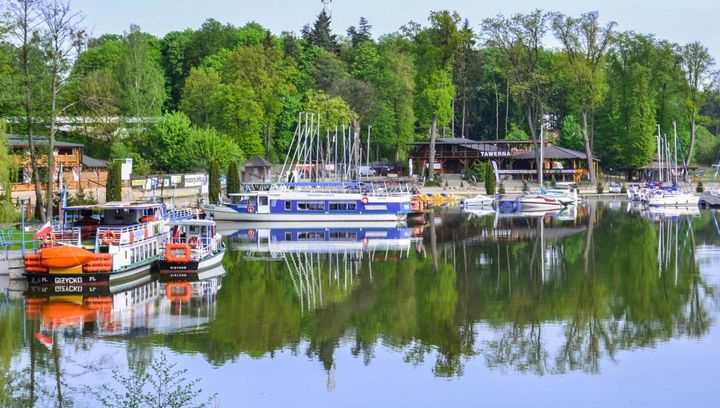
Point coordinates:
pixel 78 169
pixel 515 159
pixel 257 170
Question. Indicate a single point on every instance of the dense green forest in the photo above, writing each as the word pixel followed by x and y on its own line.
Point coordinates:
pixel 227 92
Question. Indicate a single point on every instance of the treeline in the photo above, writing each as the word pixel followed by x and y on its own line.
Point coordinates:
pixel 228 92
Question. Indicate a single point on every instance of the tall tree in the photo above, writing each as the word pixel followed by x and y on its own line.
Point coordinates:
pixel 140 80
pixel 696 63
pixel 519 39
pixel 585 43
pixel 436 48
pixel 25 23
pixel 64 39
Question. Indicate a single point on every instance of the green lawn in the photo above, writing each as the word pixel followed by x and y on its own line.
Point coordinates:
pixel 11 238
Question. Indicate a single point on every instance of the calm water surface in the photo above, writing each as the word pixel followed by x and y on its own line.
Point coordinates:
pixel 603 306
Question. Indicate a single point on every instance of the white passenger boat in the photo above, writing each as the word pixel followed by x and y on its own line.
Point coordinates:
pixel 326 201
pixel 99 245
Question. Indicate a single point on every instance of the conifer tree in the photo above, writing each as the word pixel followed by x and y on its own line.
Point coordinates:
pixel 321 35
pixel 214 188
pixel 489 179
pixel 113 186
pixel 233 178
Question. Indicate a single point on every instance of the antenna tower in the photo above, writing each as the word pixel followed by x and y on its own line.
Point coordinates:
pixel 326 6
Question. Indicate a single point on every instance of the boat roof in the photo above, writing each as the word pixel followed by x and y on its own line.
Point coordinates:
pixel 194 221
pixel 114 205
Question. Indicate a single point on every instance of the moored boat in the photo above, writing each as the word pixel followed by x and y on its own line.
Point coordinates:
pixel 664 198
pixel 338 201
pixel 192 247
pixel 479 201
pixel 539 203
pixel 125 244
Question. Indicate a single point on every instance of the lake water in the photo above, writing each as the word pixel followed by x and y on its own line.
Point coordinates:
pixel 604 306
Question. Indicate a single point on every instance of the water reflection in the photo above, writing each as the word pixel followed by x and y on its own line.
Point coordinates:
pixel 531 293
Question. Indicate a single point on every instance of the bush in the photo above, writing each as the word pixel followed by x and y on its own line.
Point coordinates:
pixel 623 189
pixel 553 182
pixel 700 188
pixel 525 187
pixel 600 188
pixel 475 173
pixel 501 188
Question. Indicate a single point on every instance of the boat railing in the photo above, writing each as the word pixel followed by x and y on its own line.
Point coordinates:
pixel 181 214
pixel 63 236
pixel 122 235
pixel 375 188
pixel 203 248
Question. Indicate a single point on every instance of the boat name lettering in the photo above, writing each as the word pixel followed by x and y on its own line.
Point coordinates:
pixel 67 281
pixel 68 289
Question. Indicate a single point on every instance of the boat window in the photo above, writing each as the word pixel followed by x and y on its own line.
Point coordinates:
pixel 343 236
pixel 288 236
pixel 311 205
pixel 311 236
pixel 343 206
pixel 288 205
pixel 263 200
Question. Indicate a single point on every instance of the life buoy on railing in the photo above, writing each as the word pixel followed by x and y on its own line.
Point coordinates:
pixel 193 242
pixel 364 200
pixel 170 250
pixel 250 209
pixel 147 218
pixel 251 233
pixel 107 237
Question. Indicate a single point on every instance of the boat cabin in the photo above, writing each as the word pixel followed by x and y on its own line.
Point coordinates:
pixel 198 235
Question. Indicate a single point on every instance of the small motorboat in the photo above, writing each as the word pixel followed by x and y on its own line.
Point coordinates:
pixel 195 246
pixel 479 201
pixel 565 196
pixel 711 199
pixel 663 198
pixel 539 203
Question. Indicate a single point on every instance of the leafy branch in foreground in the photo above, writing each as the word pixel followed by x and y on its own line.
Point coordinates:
pixel 163 385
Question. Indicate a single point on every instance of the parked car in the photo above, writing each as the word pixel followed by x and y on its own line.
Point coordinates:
pixel 366 171
pixel 614 188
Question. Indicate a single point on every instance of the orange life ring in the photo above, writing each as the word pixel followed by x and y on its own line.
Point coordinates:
pixel 251 233
pixel 364 200
pixel 250 209
pixel 193 242
pixel 147 218
pixel 107 237
pixel 169 248
pixel 365 241
pixel 178 291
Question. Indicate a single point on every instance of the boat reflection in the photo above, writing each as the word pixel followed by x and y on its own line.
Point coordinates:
pixel 138 308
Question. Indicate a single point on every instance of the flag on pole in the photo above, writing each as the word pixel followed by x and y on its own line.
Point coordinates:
pixel 44 230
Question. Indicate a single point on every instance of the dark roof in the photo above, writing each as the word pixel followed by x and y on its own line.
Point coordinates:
pixel 463 141
pixel 21 141
pixel 554 153
pixel 93 163
pixel 257 161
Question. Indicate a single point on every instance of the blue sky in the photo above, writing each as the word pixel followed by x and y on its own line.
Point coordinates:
pixel 677 21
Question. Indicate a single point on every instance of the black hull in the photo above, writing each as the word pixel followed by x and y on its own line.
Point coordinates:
pixel 82 280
